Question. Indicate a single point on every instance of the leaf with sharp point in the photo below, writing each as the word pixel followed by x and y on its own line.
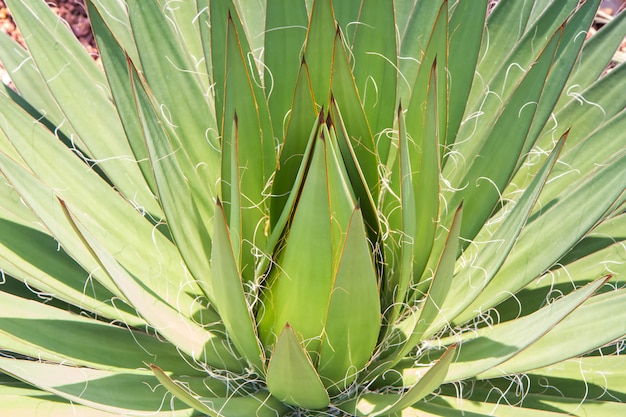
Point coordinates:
pixel 424 135
pixel 564 60
pixel 291 376
pixel 437 297
pixel 346 96
pixel 600 320
pixel 97 203
pixel 41 331
pixel 285 32
pixel 115 15
pixel 181 393
pixel 297 137
pixel 426 384
pixel 489 347
pixel 31 86
pixel 376 405
pixel 187 215
pixel 395 291
pixel 358 182
pixel 178 88
pixel 248 157
pixel 299 291
pixel 229 296
pixel 258 404
pixel 375 67
pixel 596 55
pixel 488 257
pixel 424 20
pixel 117 69
pixel 319 49
pixel 481 183
pixel 466 33
pixel 291 196
pixel 570 217
pixel 95 388
pixel 34 257
pixel 191 338
pixel 62 61
pixel 353 319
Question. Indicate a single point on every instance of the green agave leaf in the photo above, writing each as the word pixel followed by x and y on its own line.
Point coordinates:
pixel 31 86
pixel 344 92
pixel 565 58
pixel 425 385
pixel 370 404
pixel 14 209
pixel 599 104
pixel 187 211
pixel 62 61
pixel 182 394
pixel 109 391
pixel 229 295
pixel 423 22
pixel 451 406
pixel 575 164
pixel 258 404
pixel 253 13
pixel 596 54
pixel 597 377
pixel 490 347
pixel 178 88
pixel 508 25
pixel 466 29
pixel 35 255
pixel 496 86
pixel 52 406
pixel 423 139
pixel 484 257
pixel 291 376
pixel 319 48
pixel 292 195
pixel 353 168
pixel 601 253
pixel 182 17
pixel 299 290
pixel 221 14
pixel 117 69
pixel 41 200
pixel 115 16
pixel 483 180
pixel 570 217
pixel 353 319
pixel 296 139
pixel 214 41
pixel 347 14
pixel 375 67
pixel 417 325
pixel 40 331
pixel 96 202
pixel 194 340
pixel 285 32
pixel 248 157
pixel 536 393
pixel 435 306
pixel 600 320
pixel 400 279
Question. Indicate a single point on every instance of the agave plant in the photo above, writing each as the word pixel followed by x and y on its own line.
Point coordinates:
pixel 289 208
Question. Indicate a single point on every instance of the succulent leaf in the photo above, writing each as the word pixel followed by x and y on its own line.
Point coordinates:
pixel 313 207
